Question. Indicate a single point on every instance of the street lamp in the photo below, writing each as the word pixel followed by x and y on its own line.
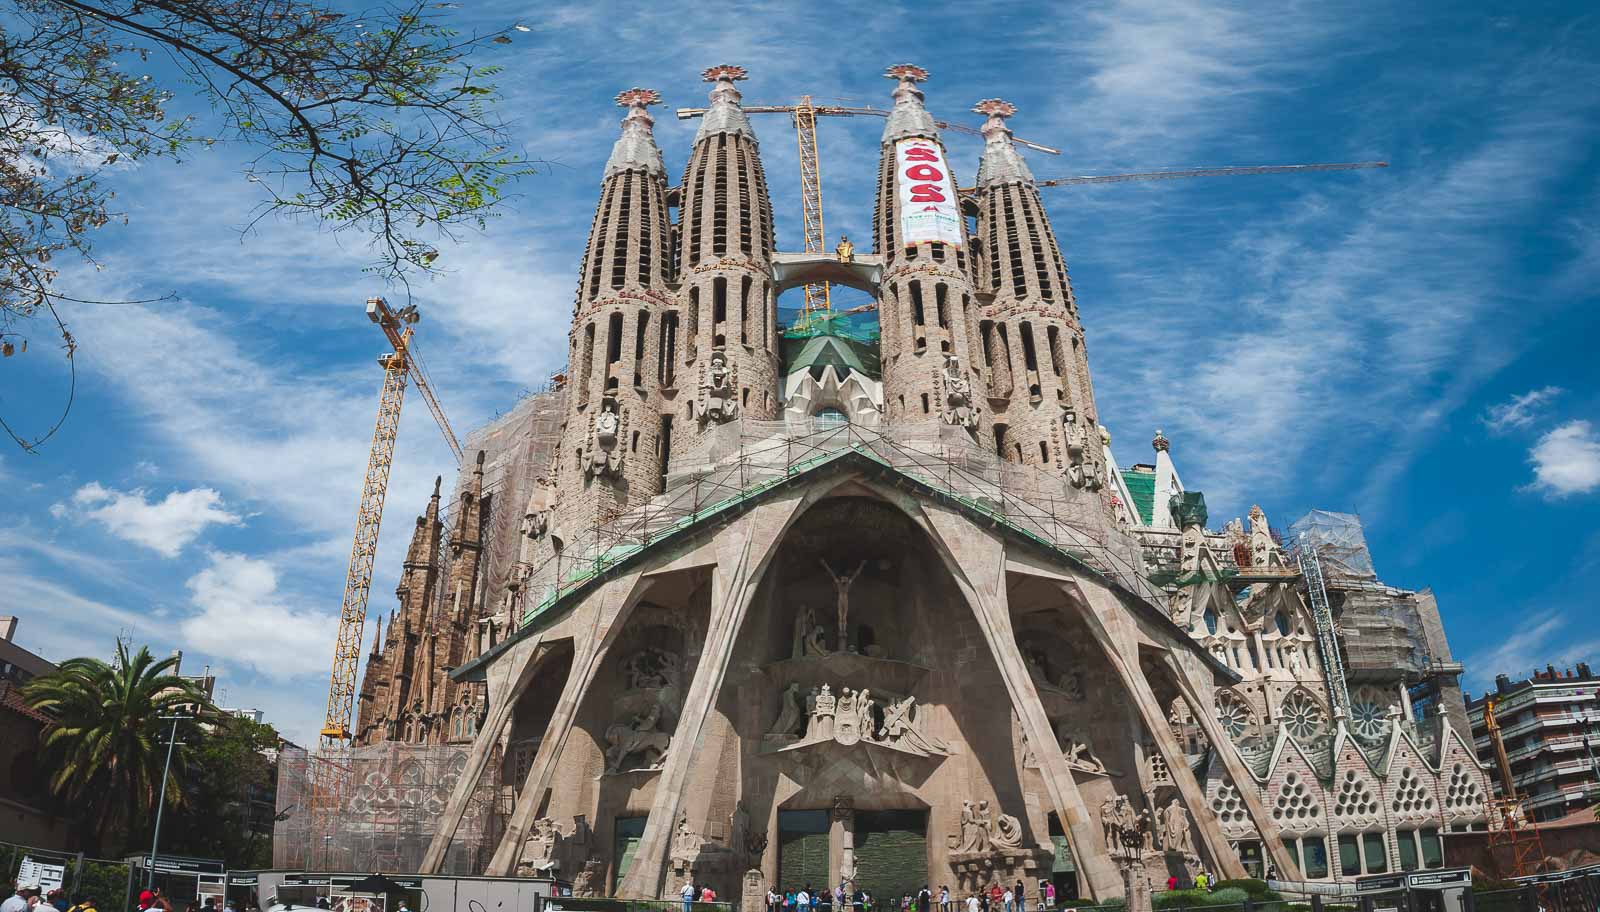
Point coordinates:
pixel 155 838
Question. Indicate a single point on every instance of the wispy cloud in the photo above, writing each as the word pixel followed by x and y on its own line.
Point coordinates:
pixel 165 526
pixel 1519 412
pixel 1566 461
pixel 1539 639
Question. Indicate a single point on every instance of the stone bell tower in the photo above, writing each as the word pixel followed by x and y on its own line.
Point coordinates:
pixel 928 311
pixel 1033 353
pixel 729 349
pixel 610 456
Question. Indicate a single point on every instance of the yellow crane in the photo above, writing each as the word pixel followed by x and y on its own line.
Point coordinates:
pixel 398 366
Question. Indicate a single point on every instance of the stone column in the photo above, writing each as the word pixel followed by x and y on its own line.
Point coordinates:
pixel 743 552
pixel 842 843
pixel 1222 854
pixel 1244 782
pixel 977 562
pixel 609 607
pixel 515 671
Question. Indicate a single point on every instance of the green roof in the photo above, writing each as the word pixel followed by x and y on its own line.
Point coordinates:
pixel 817 352
pixel 1142 488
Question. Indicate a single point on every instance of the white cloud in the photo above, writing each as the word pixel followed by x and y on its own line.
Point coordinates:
pixel 1543 639
pixel 1519 411
pixel 1566 460
pixel 245 620
pixel 164 526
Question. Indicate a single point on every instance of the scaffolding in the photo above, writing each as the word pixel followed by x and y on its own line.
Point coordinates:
pixel 743 459
pixel 387 801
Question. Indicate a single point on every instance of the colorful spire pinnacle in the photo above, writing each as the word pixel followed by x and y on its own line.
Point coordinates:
pixel 1001 162
pixel 725 115
pixel 636 149
pixel 909 117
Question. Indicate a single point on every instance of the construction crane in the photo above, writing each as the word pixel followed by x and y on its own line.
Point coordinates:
pixel 1508 823
pixel 399 365
pixel 1305 553
pixel 1209 172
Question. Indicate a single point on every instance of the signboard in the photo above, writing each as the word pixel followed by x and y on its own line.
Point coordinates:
pixel 178 864
pixel 929 209
pixel 46 877
pixel 1424 880
pixel 343 881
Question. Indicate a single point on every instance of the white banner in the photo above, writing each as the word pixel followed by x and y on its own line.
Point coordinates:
pixel 929 210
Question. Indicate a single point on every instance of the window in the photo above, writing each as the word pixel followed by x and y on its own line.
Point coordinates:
pixel 1406 842
pixel 1282 623
pixel 924 403
pixel 1377 855
pixel 719 301
pixel 1316 854
pixel 831 417
pixel 1349 855
pixel 1211 620
pixel 1432 849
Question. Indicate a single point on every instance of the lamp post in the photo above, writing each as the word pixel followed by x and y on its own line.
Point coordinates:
pixel 155 838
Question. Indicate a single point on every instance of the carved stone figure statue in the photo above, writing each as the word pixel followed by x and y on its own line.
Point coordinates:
pixel 717 395
pixel 1079 464
pixel 790 714
pixel 845 251
pixel 1127 832
pixel 1175 833
pixel 539 851
pixel 841 585
pixel 738 831
pixel 1261 543
pixel 605 448
pixel 900 729
pixel 1007 832
pixel 535 518
pixel 1078 756
pixel 587 883
pixel 959 408
pixel 491 627
pixel 626 739
pixel 974 828
pixel 823 719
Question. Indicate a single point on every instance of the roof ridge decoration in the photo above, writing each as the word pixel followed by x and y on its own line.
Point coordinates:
pixel 909 117
pixel 636 149
pixel 725 114
pixel 1001 162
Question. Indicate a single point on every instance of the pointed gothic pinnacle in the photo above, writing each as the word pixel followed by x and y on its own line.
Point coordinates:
pixel 997 109
pixel 1001 162
pixel 909 117
pixel 636 148
pixel 724 115
pixel 437 480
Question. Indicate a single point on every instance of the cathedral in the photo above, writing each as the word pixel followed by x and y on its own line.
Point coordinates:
pixel 755 605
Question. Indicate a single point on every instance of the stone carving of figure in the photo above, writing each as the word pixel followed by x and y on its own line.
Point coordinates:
pixel 864 723
pixel 1072 684
pixel 974 828
pixel 901 730
pixel 1079 467
pixel 1079 756
pixel 983 819
pixel 587 883
pixel 841 585
pixel 1261 543
pixel 605 450
pixel 1292 648
pixel 790 714
pixel 822 717
pixel 1007 832
pixel 1176 836
pixel 1146 831
pixel 625 739
pixel 540 850
pixel 492 624
pixel 959 408
pixel 535 519
pixel 738 830
pixel 845 251
pixel 817 641
pixel 651 669
pixel 717 400
pixel 1126 831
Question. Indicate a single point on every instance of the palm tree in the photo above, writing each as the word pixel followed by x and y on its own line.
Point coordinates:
pixel 106 743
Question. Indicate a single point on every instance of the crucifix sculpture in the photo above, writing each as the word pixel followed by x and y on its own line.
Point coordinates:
pixel 842 584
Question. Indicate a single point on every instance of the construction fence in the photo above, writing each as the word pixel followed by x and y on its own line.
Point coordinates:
pixel 376 808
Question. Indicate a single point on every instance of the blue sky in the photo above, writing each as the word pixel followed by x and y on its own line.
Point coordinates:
pixel 1413 344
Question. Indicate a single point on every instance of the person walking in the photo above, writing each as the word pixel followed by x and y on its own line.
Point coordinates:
pixel 687 892
pixel 944 898
pixel 972 903
pixel 1008 900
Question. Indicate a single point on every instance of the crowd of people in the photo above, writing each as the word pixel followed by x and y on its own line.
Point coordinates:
pixel 32 899
pixel 995 899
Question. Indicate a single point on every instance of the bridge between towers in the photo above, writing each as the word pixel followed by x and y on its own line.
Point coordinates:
pixel 864 271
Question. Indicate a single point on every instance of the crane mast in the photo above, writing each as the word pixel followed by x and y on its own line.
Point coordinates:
pixel 818 301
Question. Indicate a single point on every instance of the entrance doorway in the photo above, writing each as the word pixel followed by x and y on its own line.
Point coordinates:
pixel 625 835
pixel 891 854
pixel 802 850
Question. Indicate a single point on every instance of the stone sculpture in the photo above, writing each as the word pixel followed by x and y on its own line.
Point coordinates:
pixel 901 729
pixel 1175 831
pixel 810 639
pixel 959 409
pixel 1007 832
pixel 540 850
pixel 1079 756
pixel 791 716
pixel 841 585
pixel 982 831
pixel 605 452
pixel 624 740
pixel 718 401
pixel 536 518
pixel 1079 465
pixel 1125 831
pixel 587 883
pixel 1261 543
pixel 491 625
pixel 974 829
pixel 651 669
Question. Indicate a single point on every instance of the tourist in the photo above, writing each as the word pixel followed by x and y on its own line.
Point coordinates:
pixel 802 900
pixel 925 899
pixel 1022 902
pixel 707 894
pixel 1200 880
pixel 996 896
pixel 972 903
pixel 944 898
pixel 1008 900
pixel 774 899
pixel 687 892
pixel 1049 892
pixel 18 902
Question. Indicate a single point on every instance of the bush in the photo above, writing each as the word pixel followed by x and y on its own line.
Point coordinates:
pixel 1256 888
pixel 1227 896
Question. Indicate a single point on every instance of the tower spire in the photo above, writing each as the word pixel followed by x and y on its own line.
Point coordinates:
pixel 1001 162
pixel 909 117
pixel 636 149
pixel 725 115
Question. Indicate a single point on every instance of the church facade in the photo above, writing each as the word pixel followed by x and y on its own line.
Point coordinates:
pixel 750 609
